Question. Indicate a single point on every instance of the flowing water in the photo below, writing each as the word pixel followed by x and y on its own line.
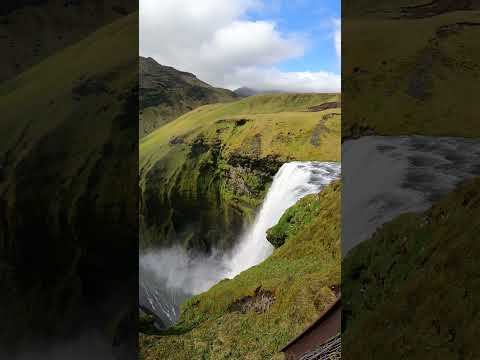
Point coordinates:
pixel 170 276
pixel 293 181
pixel 385 176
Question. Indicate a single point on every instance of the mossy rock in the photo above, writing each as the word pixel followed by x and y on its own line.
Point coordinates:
pixel 294 218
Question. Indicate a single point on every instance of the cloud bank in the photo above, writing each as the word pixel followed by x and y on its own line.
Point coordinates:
pixel 214 40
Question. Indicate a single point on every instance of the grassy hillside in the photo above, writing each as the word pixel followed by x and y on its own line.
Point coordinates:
pixel 415 285
pixel 260 310
pixel 166 93
pixel 32 30
pixel 67 148
pixel 204 173
pixel 407 88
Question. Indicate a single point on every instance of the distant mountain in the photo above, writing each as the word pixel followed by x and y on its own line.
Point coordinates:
pixel 246 91
pixel 166 93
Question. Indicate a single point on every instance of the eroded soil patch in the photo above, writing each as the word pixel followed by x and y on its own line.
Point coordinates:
pixel 260 302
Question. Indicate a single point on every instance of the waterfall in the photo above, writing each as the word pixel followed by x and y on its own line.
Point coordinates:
pixel 170 276
pixel 293 181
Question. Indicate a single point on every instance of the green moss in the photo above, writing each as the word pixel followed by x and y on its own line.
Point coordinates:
pixel 296 278
pixel 415 284
pixel 293 220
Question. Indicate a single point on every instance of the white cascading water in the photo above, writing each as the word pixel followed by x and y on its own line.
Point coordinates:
pixel 293 181
pixel 170 276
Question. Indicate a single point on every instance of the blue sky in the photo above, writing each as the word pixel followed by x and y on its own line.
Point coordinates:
pixel 263 44
pixel 312 19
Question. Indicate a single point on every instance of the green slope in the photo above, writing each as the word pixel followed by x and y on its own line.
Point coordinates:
pixel 32 30
pixel 253 315
pixel 204 173
pixel 166 93
pixel 414 286
pixel 67 148
pixel 407 88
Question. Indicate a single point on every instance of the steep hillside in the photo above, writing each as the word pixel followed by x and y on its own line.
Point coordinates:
pixel 407 88
pixel 253 315
pixel 166 93
pixel 67 148
pixel 204 173
pixel 415 285
pixel 32 30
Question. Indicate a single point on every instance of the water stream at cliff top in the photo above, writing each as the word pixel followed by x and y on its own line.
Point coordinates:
pixel 170 276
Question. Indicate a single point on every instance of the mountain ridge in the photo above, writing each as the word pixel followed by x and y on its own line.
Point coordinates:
pixel 167 93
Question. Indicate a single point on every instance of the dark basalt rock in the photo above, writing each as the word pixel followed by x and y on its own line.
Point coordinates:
pixel 90 86
pixel 177 140
pixel 269 164
pixel 198 147
pixel 325 106
pixel 241 122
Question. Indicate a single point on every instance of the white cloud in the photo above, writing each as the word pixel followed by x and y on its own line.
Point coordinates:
pixel 214 40
pixel 264 78
pixel 246 43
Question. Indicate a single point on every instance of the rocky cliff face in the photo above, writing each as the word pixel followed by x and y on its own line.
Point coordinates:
pixel 205 201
